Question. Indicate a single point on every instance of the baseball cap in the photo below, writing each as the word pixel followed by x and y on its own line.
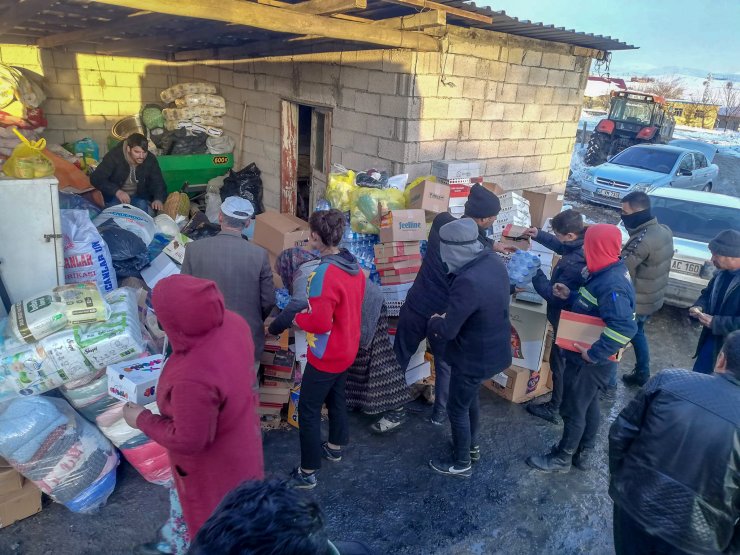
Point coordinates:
pixel 237 207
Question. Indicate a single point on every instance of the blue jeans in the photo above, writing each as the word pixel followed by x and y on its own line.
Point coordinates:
pixel 138 202
pixel 642 351
pixel 463 410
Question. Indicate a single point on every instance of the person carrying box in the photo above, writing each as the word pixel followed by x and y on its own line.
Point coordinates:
pixel 607 294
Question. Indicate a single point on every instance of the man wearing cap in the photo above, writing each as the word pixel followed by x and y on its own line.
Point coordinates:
pixel 718 307
pixel 429 294
pixel 240 269
pixel 476 329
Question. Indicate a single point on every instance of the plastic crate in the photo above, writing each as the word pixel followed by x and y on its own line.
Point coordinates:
pixel 194 169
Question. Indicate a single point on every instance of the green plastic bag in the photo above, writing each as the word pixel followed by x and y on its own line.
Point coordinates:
pixel 369 204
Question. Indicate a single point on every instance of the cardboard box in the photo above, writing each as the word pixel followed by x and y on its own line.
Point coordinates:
pixel 276 386
pixel 295 396
pixel 513 236
pixel 403 225
pixel 398 279
pixel 398 248
pixel 279 342
pixel 549 340
pixel 418 358
pixel 418 373
pixel 543 205
pixel 10 480
pixel 528 329
pixel 455 169
pixel 399 271
pixel 175 249
pixel 495 188
pixel 19 504
pixel 135 380
pixel 278 364
pixel 401 266
pixel 459 191
pixel 161 267
pixel 580 329
pixel 430 196
pixel 519 385
pixel 391 260
pixel 396 292
pixel 269 398
pixel 276 232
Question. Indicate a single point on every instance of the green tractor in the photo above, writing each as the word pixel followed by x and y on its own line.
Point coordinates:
pixel 634 118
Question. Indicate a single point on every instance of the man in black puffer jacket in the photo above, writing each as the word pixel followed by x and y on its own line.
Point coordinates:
pixel 476 331
pixel 674 458
pixel 568 243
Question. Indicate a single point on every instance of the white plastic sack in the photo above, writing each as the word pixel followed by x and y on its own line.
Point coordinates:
pixel 86 256
pixel 220 145
pixel 166 225
pixel 213 207
pixel 131 219
pixel 181 89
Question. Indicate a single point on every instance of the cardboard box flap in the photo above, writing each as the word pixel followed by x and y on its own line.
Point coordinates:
pixel 580 329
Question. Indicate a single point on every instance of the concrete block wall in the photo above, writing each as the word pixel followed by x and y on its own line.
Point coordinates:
pixel 86 93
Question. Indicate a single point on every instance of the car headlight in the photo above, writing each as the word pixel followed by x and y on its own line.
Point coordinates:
pixel 644 187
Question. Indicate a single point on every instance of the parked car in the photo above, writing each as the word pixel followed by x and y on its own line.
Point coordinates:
pixel 695 217
pixel 681 164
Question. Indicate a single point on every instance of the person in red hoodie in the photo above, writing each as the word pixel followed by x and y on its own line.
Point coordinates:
pixel 206 397
pixel 332 325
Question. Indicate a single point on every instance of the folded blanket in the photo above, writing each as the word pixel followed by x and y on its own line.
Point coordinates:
pixel 26 422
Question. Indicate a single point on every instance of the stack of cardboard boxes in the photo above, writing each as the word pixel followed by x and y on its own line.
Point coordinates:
pixel 459 176
pixel 19 498
pixel 397 256
pixel 276 232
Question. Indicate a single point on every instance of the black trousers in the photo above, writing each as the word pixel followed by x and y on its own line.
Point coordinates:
pixel 318 388
pixel 557 366
pixel 630 538
pixel 463 411
pixel 580 408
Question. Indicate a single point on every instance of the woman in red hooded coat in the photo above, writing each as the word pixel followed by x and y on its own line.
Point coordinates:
pixel 206 397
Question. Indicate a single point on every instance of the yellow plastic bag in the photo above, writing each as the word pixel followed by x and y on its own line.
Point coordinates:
pixel 28 160
pixel 369 204
pixel 414 183
pixel 340 187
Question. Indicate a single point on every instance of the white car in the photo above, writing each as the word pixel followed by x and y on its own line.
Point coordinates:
pixel 695 218
pixel 681 164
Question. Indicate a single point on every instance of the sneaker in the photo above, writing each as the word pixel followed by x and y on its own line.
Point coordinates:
pixel 609 394
pixel 301 480
pixel 633 378
pixel 438 418
pixel 333 455
pixel 390 421
pixel 544 411
pixel 451 469
pixel 475 453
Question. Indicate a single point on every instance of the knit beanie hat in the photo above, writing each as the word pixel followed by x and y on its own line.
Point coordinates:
pixel 458 243
pixel 726 243
pixel 602 246
pixel 482 203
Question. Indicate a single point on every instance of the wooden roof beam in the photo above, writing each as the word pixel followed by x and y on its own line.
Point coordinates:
pixel 19 13
pixel 284 21
pixel 102 29
pixel 457 12
pixel 329 7
pixel 417 21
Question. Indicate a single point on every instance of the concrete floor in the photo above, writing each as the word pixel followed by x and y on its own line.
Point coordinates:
pixel 384 494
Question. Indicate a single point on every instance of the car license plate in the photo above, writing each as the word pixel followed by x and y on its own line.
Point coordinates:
pixel 683 267
pixel 608 194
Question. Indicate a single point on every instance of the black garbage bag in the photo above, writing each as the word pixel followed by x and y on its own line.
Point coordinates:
pixel 72 201
pixel 180 141
pixel 128 252
pixel 199 227
pixel 372 179
pixel 247 184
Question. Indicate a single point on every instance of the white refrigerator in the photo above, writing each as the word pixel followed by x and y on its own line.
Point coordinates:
pixel 31 250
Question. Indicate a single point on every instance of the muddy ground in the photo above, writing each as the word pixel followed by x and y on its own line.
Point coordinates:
pixel 384 494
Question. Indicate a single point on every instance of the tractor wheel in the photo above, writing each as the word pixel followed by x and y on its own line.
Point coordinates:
pixel 596 152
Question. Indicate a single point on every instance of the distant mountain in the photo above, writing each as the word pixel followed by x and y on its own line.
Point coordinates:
pixel 643 70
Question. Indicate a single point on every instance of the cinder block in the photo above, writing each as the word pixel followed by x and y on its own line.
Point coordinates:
pixel 415 170
pixel 525 94
pixel 554 130
pixel 367 103
pixel 400 107
pixel 460 109
pixel 555 78
pixel 415 130
pixel 538 76
pixel 451 150
pixel 92 77
pixel 25 56
pixel 549 113
pixel 256 115
pixel 532 58
pixel 525 147
pixel 488 149
pixel 518 129
pixel 90 122
pixel 161 81
pixel 493 110
pixel 366 144
pixel 430 151
pixel 563 160
pixel 431 107
pixel 71 107
pixel 102 108
pixel 424 85
pixel 566 62
pixel 474 88
pixel 494 70
pixel 515 55
pixel 68 77
pixel 346 98
pixel 572 80
pixel 532 112
pixel 394 61
pixel 350 121
pixel 128 108
pixel 479 130
pixel 567 113
pixel 446 129
pixel 513 112
pixel 465 66
pixel 507 147
pixel 551 60
pixel 537 130
pixel 544 95
pixel 451 88
pixel 543 147
pixel 517 74
pixel 243 81
pixel 355 78
pixel 506 92
pixel 380 126
pixel 478 106
pixel 468 150
pixel 385 83
pixel 560 146
pixel 428 63
pixel 531 164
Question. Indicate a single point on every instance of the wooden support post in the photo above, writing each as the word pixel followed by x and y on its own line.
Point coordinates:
pixel 284 21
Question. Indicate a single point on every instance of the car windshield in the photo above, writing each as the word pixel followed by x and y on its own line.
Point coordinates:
pixel 653 159
pixel 694 220
pixel 633 111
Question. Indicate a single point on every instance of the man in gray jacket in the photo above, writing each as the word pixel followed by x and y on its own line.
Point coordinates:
pixel 240 269
pixel 647 255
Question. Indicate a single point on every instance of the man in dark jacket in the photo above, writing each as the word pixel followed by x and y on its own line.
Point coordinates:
pixel 718 307
pixel 674 459
pixel 129 174
pixel 430 291
pixel 607 294
pixel 647 255
pixel 568 243
pixel 477 333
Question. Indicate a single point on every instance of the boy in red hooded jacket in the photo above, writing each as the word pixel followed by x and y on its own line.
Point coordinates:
pixel 607 294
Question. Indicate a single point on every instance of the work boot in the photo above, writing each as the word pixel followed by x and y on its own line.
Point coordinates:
pixel 544 411
pixel 609 395
pixel 635 378
pixel 556 460
pixel 583 458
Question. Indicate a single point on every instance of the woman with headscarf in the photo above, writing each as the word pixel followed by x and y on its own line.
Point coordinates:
pixel 206 397
pixel 293 265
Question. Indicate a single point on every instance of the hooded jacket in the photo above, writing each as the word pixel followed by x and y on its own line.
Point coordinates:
pixel 206 397
pixel 114 169
pixel 568 271
pixel 332 324
pixel 476 325
pixel 647 255
pixel 673 459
